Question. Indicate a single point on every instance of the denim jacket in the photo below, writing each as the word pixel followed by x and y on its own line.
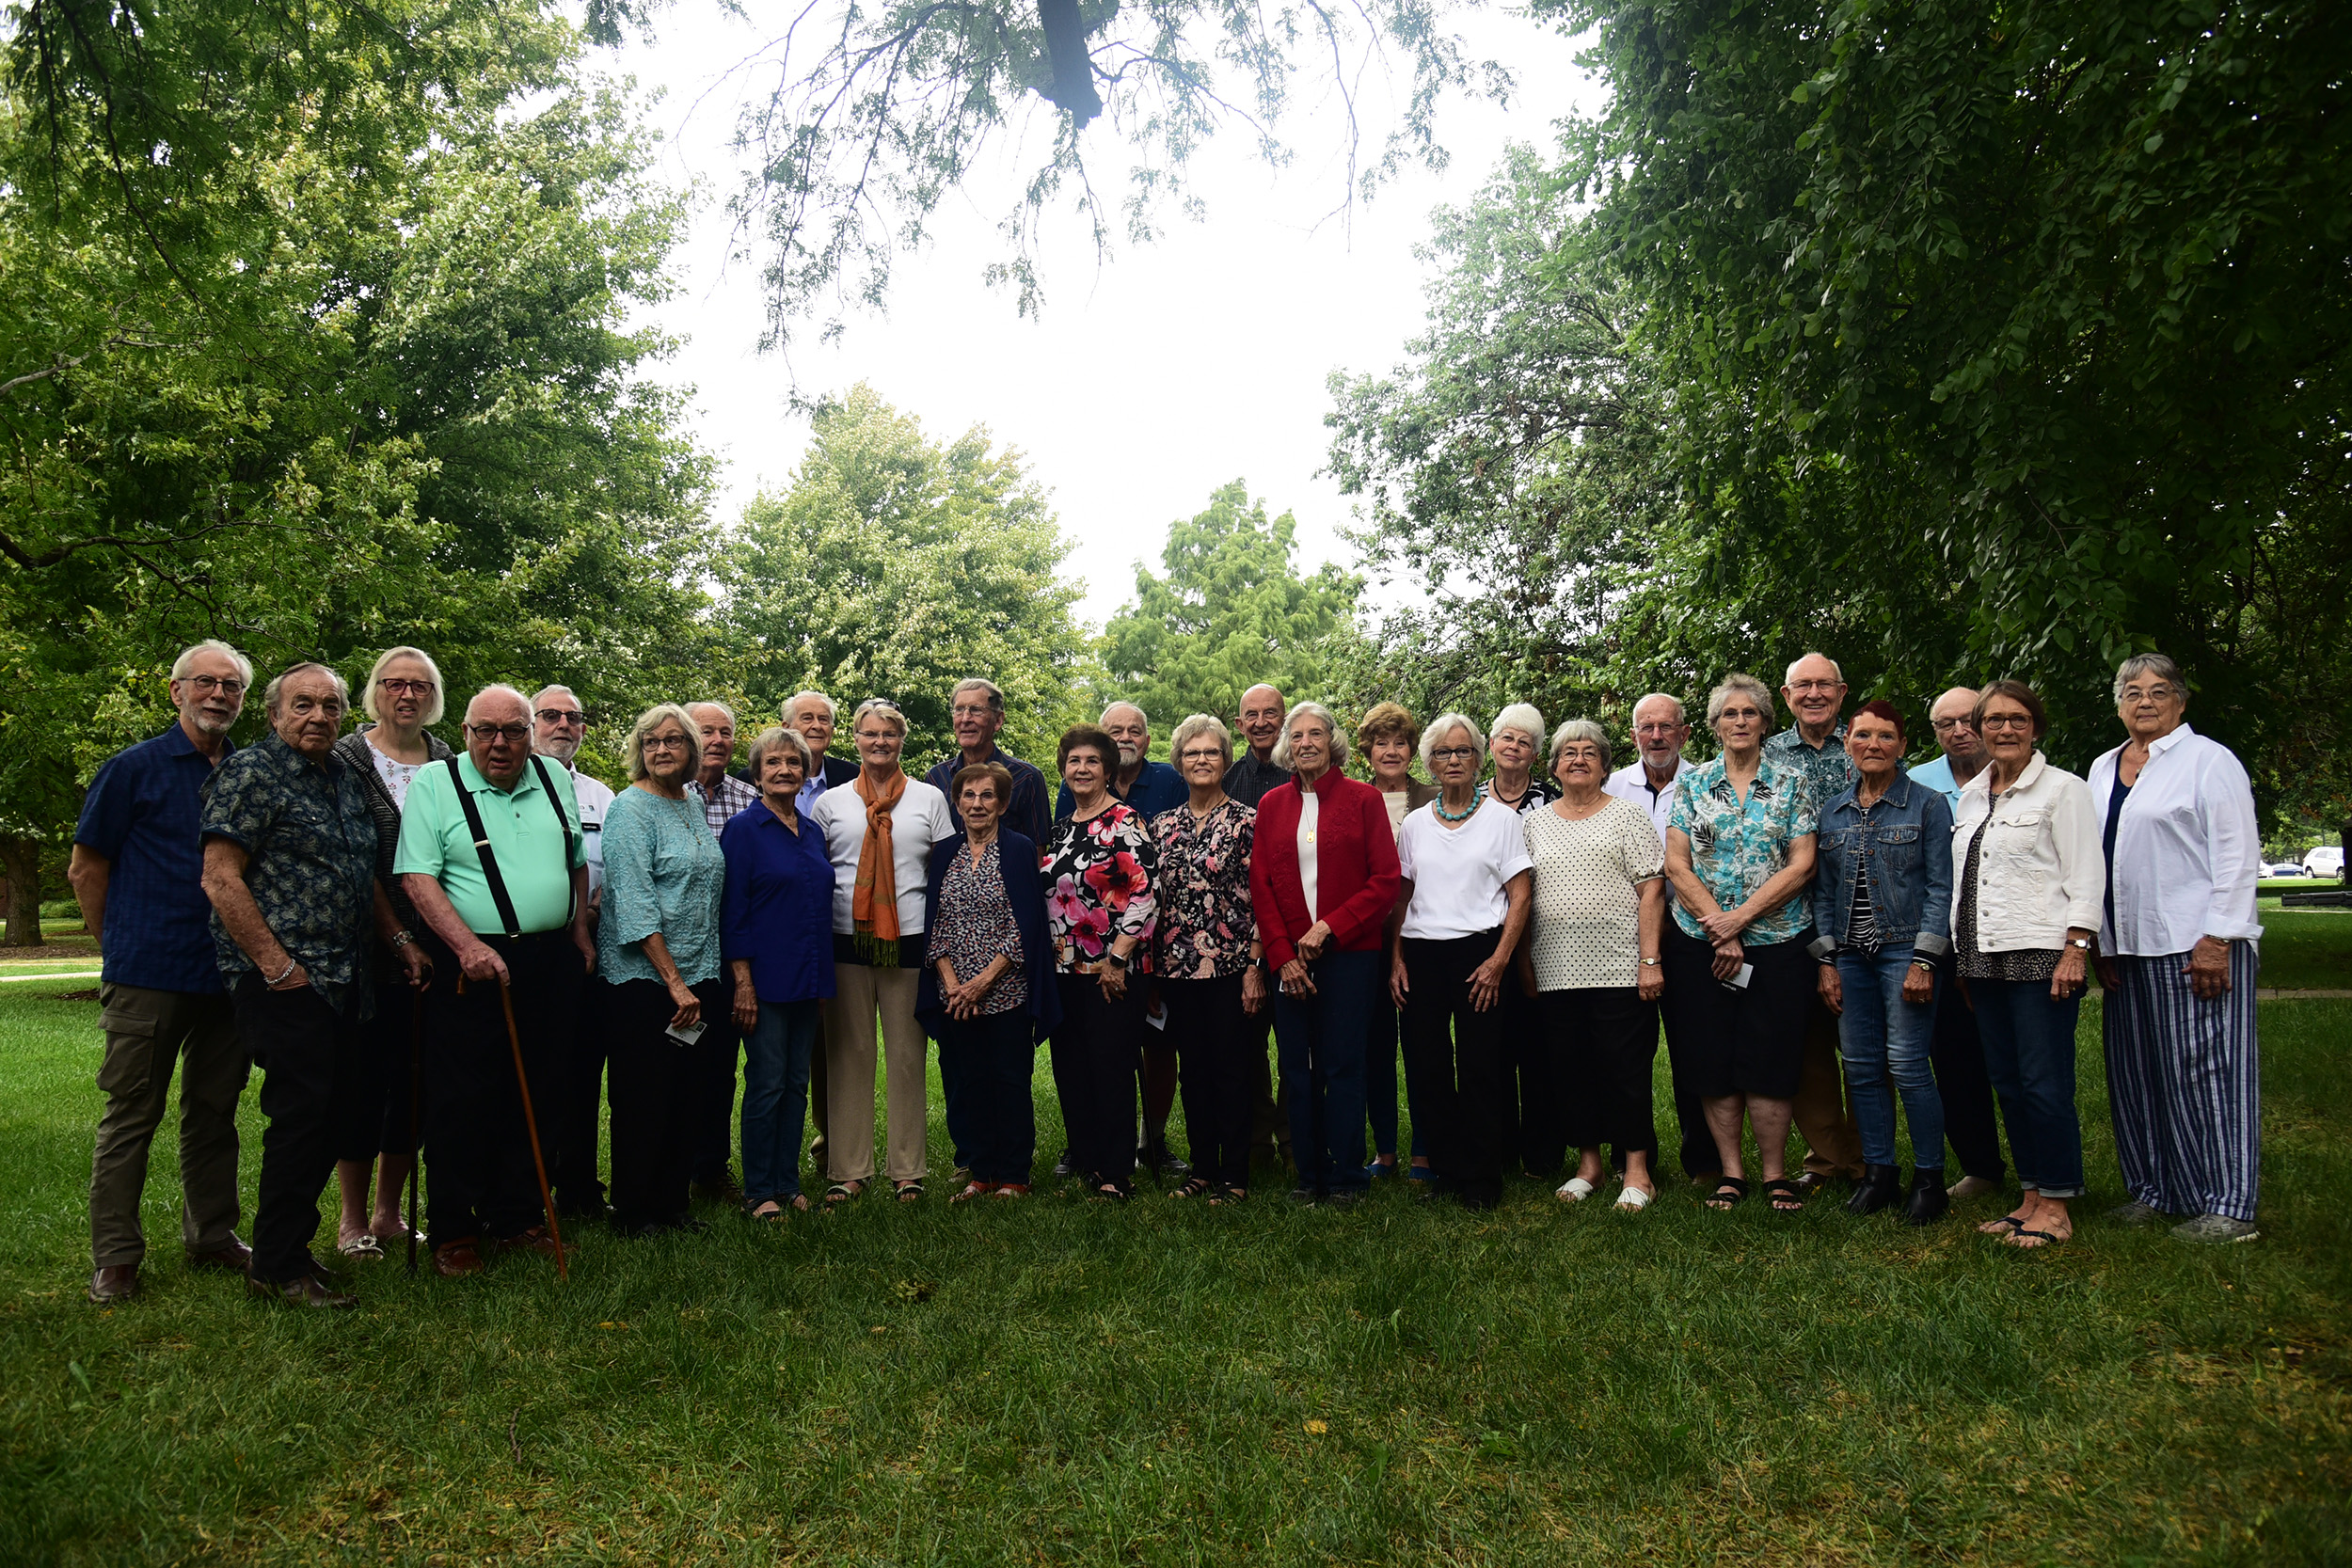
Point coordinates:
pixel 1910 850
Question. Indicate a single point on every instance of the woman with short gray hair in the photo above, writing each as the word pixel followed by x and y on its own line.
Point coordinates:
pixel 1514 741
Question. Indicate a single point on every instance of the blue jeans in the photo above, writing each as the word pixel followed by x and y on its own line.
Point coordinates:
pixel 1381 1051
pixel 1320 1040
pixel 775 1099
pixel 1880 1035
pixel 2030 1054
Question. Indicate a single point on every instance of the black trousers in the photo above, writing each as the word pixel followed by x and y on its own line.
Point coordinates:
pixel 1095 1051
pixel 985 1064
pixel 480 1179
pixel 722 1054
pixel 1957 1054
pixel 313 1092
pixel 1459 1055
pixel 1218 1044
pixel 1604 1037
pixel 388 1044
pixel 1531 1080
pixel 658 1101
pixel 576 1137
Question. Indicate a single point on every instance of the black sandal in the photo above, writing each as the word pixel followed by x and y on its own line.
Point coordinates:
pixel 1729 1191
pixel 1230 1195
pixel 1787 1197
pixel 1198 1186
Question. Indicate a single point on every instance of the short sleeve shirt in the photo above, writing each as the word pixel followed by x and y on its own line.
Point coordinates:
pixel 310 839
pixel 1827 770
pixel 1099 878
pixel 1588 878
pixel 1459 874
pixel 524 836
pixel 1737 846
pixel 1205 922
pixel 141 815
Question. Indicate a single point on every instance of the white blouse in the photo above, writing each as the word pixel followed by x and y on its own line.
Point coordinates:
pixel 1458 873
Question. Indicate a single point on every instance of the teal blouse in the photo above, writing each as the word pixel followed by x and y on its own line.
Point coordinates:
pixel 662 872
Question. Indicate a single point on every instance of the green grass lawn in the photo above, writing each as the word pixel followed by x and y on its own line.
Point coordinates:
pixel 1058 1382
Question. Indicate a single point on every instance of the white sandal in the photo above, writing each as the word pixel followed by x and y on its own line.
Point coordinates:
pixel 1576 1190
pixel 363 1246
pixel 1633 1200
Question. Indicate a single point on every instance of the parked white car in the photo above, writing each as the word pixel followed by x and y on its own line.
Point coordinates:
pixel 2285 868
pixel 2326 861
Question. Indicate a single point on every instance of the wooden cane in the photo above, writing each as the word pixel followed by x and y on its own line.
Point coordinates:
pixel 416 1099
pixel 531 1125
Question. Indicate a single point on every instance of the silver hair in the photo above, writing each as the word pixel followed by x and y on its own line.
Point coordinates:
pixel 652 720
pixel 1737 684
pixel 712 702
pixel 2158 665
pixel 833 709
pixel 548 690
pixel 1445 724
pixel 269 692
pixel 1194 727
pixel 1682 715
pixel 1122 702
pixel 882 707
pixel 212 645
pixel 500 688
pixel 1311 710
pixel 434 709
pixel 775 738
pixel 1523 717
pixel 977 683
pixel 1578 729
pixel 1789 676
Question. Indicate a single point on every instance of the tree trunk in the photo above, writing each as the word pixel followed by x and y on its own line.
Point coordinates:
pixel 21 858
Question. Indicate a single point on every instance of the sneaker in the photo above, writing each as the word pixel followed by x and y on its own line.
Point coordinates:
pixel 2215 1228
pixel 2134 1213
pixel 1063 1168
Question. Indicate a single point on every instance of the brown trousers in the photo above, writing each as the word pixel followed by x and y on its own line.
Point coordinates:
pixel 149 1032
pixel 861 994
pixel 1833 1142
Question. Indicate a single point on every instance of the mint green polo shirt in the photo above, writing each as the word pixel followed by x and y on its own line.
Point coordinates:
pixel 523 834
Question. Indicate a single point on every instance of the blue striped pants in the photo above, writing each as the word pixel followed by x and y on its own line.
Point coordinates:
pixel 2184 1084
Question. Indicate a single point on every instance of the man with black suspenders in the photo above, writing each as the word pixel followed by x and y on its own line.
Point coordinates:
pixel 491 855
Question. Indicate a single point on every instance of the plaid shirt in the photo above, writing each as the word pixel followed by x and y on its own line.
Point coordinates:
pixel 720 804
pixel 141 815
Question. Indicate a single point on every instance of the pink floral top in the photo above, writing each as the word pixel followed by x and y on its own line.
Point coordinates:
pixel 1098 877
pixel 1205 923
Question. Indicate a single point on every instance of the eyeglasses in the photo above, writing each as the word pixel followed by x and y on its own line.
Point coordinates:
pixel 1656 729
pixel 1815 686
pixel 1942 725
pixel 1739 713
pixel 666 743
pixel 2006 722
pixel 1203 753
pixel 1453 753
pixel 2156 693
pixel 968 710
pixel 558 716
pixel 227 686
pixel 404 687
pixel 514 735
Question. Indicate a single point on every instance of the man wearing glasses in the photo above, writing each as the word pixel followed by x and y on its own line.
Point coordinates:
pixel 1815 747
pixel 558 726
pixel 1963 756
pixel 499 873
pixel 975 710
pixel 138 870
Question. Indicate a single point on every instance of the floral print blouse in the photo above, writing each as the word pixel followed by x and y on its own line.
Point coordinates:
pixel 976 926
pixel 1736 847
pixel 1099 876
pixel 1205 924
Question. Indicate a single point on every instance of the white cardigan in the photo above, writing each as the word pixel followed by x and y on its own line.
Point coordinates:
pixel 2042 870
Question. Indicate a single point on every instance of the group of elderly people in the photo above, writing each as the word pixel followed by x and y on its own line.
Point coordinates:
pixel 455 949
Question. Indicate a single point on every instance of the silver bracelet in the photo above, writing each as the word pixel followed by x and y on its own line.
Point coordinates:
pixel 293 964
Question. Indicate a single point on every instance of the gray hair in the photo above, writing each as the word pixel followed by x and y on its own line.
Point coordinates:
pixel 212 645
pixel 1445 724
pixel 2158 665
pixel 775 738
pixel 1789 676
pixel 1311 710
pixel 269 693
pixel 500 688
pixel 1523 717
pixel 1194 727
pixel 711 702
pixel 977 683
pixel 833 709
pixel 1578 729
pixel 1738 684
pixel 882 707
pixel 650 721
pixel 1122 702
pixel 544 692
pixel 1682 715
pixel 434 709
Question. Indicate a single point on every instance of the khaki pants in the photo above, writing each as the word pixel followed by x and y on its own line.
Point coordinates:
pixel 861 993
pixel 148 1033
pixel 1833 1142
pixel 817 1096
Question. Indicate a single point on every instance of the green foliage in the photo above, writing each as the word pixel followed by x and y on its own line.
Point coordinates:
pixel 894 567
pixel 1231 612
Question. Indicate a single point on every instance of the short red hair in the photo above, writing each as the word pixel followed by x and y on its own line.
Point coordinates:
pixel 1881 708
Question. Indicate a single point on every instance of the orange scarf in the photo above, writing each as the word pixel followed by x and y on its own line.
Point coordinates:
pixel 874 905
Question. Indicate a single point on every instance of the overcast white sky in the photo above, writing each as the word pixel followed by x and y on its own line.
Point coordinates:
pixel 1148 383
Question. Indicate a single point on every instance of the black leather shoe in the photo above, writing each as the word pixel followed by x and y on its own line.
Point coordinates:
pixel 1880 1187
pixel 236 1257
pixel 1929 1201
pixel 309 1289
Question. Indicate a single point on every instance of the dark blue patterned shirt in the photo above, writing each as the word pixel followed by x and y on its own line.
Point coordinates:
pixel 141 815
pixel 312 873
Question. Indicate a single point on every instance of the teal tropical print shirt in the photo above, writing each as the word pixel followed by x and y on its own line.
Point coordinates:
pixel 1736 846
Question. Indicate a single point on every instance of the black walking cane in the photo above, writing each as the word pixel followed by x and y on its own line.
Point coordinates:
pixel 416 1101
pixel 531 1125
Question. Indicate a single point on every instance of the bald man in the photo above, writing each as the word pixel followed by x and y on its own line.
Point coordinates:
pixel 1261 726
pixel 1963 756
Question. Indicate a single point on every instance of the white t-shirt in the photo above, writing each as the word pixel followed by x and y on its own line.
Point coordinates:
pixel 920 820
pixel 594 800
pixel 397 776
pixel 1457 873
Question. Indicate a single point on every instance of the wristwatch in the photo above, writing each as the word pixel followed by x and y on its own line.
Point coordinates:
pixel 2081 942
pixel 1114 960
pixel 1649 963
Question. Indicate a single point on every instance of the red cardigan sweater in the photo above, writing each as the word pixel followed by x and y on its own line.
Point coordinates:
pixel 1355 869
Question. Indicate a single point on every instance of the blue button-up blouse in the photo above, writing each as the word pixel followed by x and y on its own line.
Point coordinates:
pixel 777 911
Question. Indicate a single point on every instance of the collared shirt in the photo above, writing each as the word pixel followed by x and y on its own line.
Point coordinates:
pixel 1737 846
pixel 777 911
pixel 593 797
pixel 1158 789
pixel 1025 814
pixel 310 839
pixel 720 803
pixel 523 834
pixel 1249 779
pixel 1633 784
pixel 1826 769
pixel 1937 775
pixel 831 773
pixel 141 815
pixel 2187 850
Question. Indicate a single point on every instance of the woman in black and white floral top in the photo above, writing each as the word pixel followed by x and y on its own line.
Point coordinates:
pixel 1206 952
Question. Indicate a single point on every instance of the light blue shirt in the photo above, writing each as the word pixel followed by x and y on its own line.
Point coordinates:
pixel 1937 775
pixel 662 872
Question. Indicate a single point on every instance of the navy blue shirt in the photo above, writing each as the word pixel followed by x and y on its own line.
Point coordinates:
pixel 141 815
pixel 1158 789
pixel 1024 813
pixel 777 908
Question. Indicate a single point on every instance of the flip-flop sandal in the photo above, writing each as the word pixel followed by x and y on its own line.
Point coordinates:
pixel 1788 1197
pixel 2041 1240
pixel 841 1192
pixel 907 1192
pixel 1576 1190
pixel 2014 1224
pixel 1729 1191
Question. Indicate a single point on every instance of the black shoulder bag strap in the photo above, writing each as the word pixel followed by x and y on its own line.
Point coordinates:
pixel 498 895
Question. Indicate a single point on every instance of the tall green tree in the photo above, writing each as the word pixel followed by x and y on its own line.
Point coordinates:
pixel 894 566
pixel 1230 610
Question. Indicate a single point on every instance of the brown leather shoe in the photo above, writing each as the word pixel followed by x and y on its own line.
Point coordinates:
pixel 116 1282
pixel 456 1260
pixel 237 1256
pixel 310 1289
pixel 537 1239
